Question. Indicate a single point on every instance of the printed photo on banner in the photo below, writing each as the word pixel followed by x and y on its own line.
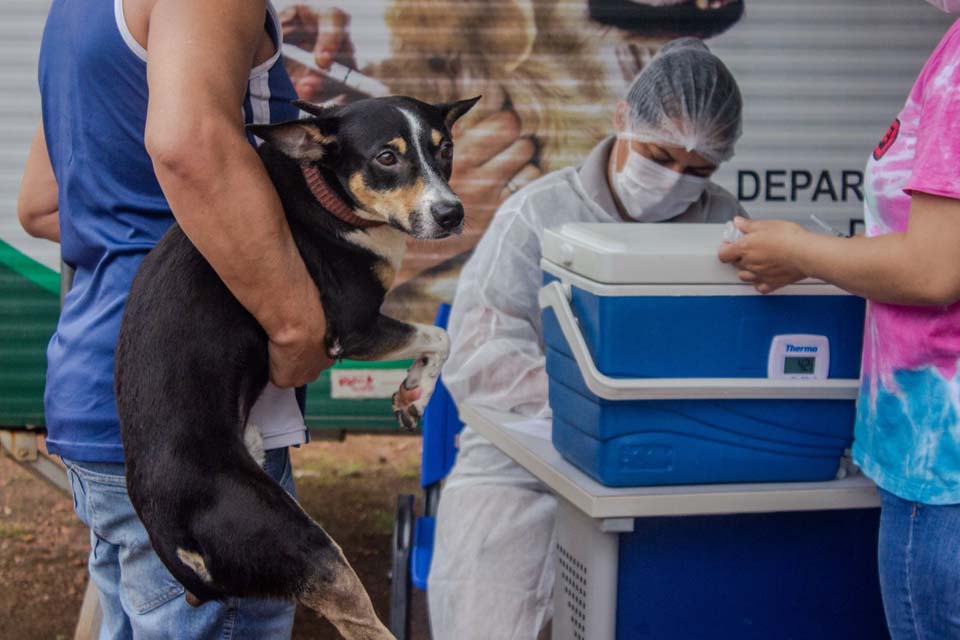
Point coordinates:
pixel 549 71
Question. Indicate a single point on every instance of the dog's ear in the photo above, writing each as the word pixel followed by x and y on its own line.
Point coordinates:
pixel 313 108
pixel 453 111
pixel 310 139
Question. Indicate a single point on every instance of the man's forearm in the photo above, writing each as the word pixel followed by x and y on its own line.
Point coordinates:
pixel 226 204
pixel 38 199
pixel 200 56
pixel 46 226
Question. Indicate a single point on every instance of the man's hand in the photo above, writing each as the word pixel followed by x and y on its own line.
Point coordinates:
pixel 298 353
pixel 326 33
pixel 766 254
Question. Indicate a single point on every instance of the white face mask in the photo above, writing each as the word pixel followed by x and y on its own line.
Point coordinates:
pixel 947 6
pixel 652 193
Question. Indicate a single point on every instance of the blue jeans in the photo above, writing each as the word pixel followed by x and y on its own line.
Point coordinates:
pixel 139 597
pixel 920 568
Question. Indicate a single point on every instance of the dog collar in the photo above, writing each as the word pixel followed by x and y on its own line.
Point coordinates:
pixel 332 202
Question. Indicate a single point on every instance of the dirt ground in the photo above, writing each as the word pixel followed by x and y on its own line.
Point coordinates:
pixel 350 487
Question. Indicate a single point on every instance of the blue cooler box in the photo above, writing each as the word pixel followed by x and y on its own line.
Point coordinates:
pixel 665 369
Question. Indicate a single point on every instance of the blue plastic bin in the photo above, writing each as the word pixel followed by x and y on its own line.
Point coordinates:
pixel 659 362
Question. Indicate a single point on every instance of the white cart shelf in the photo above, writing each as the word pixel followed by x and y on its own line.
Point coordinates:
pixel 592 517
pixel 538 456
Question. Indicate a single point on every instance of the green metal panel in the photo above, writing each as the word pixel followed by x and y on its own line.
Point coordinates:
pixel 338 413
pixel 28 316
pixel 29 307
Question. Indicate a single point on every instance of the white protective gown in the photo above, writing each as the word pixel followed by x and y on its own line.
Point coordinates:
pixel 493 564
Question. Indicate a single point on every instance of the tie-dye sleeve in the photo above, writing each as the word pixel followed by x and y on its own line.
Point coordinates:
pixel 937 155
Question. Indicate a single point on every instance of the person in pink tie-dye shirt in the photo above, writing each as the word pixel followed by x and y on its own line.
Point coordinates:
pixel 907 437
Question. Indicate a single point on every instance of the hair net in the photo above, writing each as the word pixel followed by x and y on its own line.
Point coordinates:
pixel 686 97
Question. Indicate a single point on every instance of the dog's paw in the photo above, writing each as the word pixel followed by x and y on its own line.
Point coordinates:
pixel 416 373
pixel 409 415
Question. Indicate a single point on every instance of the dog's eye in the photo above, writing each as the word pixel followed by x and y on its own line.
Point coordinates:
pixel 446 150
pixel 387 158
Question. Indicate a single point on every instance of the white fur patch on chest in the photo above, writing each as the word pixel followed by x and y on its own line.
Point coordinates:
pixel 386 242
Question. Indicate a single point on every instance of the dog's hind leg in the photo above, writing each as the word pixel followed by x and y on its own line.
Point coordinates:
pixel 333 590
pixel 394 340
pixel 256 541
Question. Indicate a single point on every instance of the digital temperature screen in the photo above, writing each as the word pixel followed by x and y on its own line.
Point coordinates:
pixel 799 365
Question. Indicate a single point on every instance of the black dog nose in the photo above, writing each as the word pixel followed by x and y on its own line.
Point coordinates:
pixel 447 215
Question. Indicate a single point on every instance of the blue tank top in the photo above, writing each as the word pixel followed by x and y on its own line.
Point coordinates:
pixel 93 85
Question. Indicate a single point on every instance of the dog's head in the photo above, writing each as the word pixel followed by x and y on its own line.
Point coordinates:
pixel 389 158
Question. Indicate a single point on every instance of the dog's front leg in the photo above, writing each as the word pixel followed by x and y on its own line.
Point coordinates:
pixel 430 347
pixel 390 339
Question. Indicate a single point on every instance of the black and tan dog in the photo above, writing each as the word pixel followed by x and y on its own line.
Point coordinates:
pixel 191 361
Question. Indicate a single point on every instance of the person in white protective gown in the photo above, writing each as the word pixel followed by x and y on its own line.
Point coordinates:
pixel 493 565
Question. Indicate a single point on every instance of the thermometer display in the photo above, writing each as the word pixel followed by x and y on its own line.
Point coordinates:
pixel 798 356
pixel 799 365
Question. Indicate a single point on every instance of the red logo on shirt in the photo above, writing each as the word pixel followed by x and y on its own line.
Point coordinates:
pixel 887 140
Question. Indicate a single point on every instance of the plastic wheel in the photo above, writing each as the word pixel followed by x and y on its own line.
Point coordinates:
pixel 400 569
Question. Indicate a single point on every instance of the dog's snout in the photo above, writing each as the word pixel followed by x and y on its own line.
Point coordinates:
pixel 448 215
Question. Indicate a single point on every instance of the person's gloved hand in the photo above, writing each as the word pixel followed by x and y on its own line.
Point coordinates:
pixel 766 254
pixel 326 33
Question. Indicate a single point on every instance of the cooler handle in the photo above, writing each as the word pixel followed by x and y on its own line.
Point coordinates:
pixel 556 296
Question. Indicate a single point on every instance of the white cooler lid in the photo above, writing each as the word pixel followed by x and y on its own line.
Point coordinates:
pixel 624 253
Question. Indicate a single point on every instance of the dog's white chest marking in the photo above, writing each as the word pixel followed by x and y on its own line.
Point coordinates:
pixel 384 242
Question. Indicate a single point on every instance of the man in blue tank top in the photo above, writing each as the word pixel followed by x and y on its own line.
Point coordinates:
pixel 135 135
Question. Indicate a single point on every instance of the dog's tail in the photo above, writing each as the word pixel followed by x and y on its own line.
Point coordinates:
pixel 255 540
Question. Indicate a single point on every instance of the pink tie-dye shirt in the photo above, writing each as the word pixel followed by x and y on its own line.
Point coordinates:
pixel 908 425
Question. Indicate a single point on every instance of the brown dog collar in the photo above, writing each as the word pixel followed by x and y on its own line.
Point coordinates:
pixel 332 202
